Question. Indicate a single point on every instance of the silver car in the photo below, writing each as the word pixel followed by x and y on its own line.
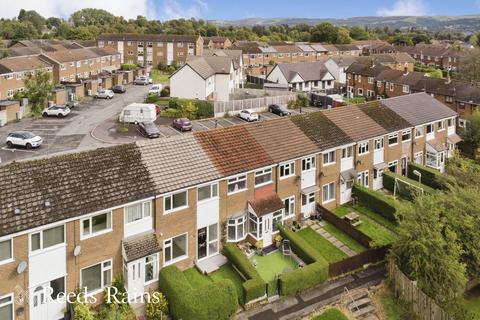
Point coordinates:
pixel 142 80
pixel 104 94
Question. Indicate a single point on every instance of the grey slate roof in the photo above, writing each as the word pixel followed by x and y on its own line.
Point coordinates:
pixel 147 37
pixel 210 65
pixel 309 71
pixel 176 162
pixel 419 108
pixel 140 246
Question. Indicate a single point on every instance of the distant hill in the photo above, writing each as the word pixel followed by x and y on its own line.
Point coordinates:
pixel 466 24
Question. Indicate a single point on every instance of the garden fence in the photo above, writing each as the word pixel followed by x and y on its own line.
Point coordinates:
pixel 422 305
pixel 358 261
pixel 344 226
pixel 257 104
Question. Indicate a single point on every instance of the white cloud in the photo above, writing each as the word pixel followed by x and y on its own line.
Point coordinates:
pixel 63 8
pixel 404 8
pixel 173 9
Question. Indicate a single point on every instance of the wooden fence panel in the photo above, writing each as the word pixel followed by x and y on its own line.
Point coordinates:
pixel 357 262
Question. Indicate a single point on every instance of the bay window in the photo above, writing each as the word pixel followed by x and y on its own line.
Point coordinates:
pixel 256 224
pixel 151 268
pixel 237 228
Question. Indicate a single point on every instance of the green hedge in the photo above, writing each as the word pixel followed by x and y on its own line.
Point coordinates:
pixel 389 184
pixel 309 276
pixel 430 176
pixel 376 201
pixel 217 300
pixel 255 287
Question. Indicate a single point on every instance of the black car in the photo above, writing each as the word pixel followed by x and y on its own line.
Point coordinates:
pixel 279 110
pixel 149 129
pixel 119 89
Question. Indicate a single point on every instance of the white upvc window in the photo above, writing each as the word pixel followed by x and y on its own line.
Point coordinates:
pixel 363 178
pixel 19 76
pixel 370 80
pixel 392 139
pixel 10 93
pixel 392 166
pixel 79 63
pixel 237 228
pixel 418 158
pixel 159 44
pixel 363 148
pixel 151 268
pixel 207 192
pixel 137 211
pixel 392 86
pixel 418 132
pixel 6 307
pixel 8 76
pixel 95 278
pixel 405 89
pixel 378 144
pixel 451 122
pixel 430 128
pixel 6 251
pixel 406 136
pixel 329 158
pixel 441 125
pixel 263 177
pixel 360 91
pixel 347 152
pixel 308 163
pixel 47 238
pixel 462 123
pixel 328 192
pixel 287 170
pixel 175 249
pixel 237 184
pixel 95 225
pixel 289 207
pixel 175 201
pixel 379 84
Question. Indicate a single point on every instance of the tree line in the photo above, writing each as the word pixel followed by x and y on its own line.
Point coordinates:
pixel 87 24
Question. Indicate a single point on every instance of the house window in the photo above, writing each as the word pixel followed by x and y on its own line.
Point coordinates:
pixel 96 224
pixel 462 123
pixel 237 184
pixel 277 220
pixel 6 307
pixel 449 99
pixel 379 84
pixel 58 288
pixel 370 80
pixel 263 177
pixel 287 169
pixel 362 178
pixel 393 139
pixel 180 54
pixel 378 144
pixel 8 76
pixel 175 248
pixel 370 93
pixel 440 125
pixel 418 132
pixel 151 268
pixel 289 206
pixel 347 152
pixel 363 148
pixel 392 166
pixel 207 192
pixel 137 212
pixel 406 136
pixel 360 91
pixel 159 44
pixel 175 201
pixel 180 44
pixel 328 192
pixel 6 251
pixel 308 163
pixel 47 238
pixel 406 89
pixel 451 122
pixel 329 158
pixel 237 228
pixel 256 224
pixel 430 128
pixel 392 86
pixel 10 93
pixel 418 158
pixel 96 277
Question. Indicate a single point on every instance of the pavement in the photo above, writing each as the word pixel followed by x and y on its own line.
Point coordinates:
pixel 328 293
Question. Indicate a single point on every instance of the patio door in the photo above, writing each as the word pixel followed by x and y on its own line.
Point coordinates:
pixel 377 179
pixel 267 230
pixel 346 191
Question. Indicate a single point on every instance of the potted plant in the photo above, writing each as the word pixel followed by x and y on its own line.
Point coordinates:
pixel 259 247
pixel 278 240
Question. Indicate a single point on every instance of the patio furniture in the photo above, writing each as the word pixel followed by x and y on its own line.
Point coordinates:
pixel 353 218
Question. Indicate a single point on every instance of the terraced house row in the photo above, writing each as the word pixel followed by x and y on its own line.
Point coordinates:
pixel 84 218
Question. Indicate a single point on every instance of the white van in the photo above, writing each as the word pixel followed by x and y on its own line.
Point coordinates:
pixel 138 112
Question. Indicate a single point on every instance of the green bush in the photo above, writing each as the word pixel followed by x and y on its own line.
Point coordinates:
pixel 204 109
pixel 81 311
pixel 389 184
pixel 151 98
pixel 169 113
pixel 255 286
pixel 156 307
pixel 309 276
pixel 165 92
pixel 430 176
pixel 128 66
pixel 217 300
pixel 376 201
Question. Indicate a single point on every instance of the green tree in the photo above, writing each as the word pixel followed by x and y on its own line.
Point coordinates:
pixel 33 17
pixel 156 307
pixel 343 36
pixel 92 17
pixel 324 32
pixel 38 90
pixel 471 134
pixel 469 68
pixel 402 39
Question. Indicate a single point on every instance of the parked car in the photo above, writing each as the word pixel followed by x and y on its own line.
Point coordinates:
pixel 155 89
pixel 104 94
pixel 279 110
pixel 25 139
pixel 248 115
pixel 149 129
pixel 182 124
pixel 141 80
pixel 119 89
pixel 56 111
pixel 72 104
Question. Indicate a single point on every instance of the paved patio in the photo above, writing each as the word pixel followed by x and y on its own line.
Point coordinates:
pixel 318 227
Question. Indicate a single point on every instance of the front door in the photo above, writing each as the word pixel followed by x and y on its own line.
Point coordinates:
pixel 346 191
pixel 39 306
pixel 202 243
pixel 377 179
pixel 267 230
pixel 308 204
pixel 136 278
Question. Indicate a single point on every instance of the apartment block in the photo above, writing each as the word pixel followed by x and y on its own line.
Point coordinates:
pixel 133 209
pixel 152 49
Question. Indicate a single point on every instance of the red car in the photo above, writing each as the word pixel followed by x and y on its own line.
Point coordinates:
pixel 182 124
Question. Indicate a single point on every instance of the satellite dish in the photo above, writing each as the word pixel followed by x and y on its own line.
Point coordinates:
pixel 77 251
pixel 22 266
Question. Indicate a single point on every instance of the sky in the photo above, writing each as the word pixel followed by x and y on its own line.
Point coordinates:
pixel 234 9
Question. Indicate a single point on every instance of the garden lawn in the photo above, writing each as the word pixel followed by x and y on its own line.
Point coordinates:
pixel 195 278
pixel 342 237
pixel 472 304
pixel 268 266
pixel 331 314
pixel 392 226
pixel 322 245
pixel 392 308
pixel 157 76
